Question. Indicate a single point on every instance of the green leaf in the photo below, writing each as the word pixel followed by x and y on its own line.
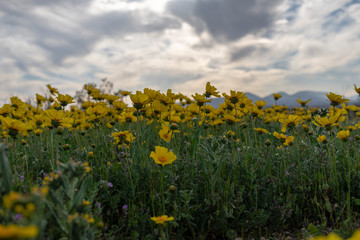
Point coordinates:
pixel 80 195
pixel 195 140
pixel 5 171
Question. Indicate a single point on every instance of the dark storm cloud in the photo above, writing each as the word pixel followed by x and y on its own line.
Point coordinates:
pixel 240 53
pixel 65 28
pixel 226 20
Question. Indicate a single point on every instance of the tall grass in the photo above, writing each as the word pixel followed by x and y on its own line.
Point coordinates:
pixel 228 179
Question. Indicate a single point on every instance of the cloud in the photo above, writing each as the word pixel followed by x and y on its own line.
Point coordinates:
pixel 259 46
pixel 332 40
pixel 63 29
pixel 247 51
pixel 226 20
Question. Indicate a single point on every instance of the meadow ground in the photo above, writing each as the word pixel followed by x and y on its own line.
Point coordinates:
pixel 170 167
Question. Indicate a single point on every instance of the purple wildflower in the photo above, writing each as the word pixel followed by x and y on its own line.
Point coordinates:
pixel 125 209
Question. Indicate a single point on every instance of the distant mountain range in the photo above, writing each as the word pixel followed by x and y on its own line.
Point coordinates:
pixel 318 99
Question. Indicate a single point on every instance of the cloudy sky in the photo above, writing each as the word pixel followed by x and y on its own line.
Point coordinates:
pixel 258 46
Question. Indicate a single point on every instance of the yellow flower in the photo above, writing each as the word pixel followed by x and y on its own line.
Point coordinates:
pixel 164 99
pixel 305 127
pixel 15 232
pixel 86 167
pixel 234 96
pixel 10 199
pixel 166 134
pixel 289 140
pixel 39 119
pixel 351 128
pixel 343 135
pixel 193 109
pixel 355 236
pixel 119 105
pixel 336 99
pixel 172 95
pixel 97 95
pixel 211 91
pixel 260 104
pixel 89 88
pixel 111 99
pixel 13 126
pixel 152 94
pixel 162 219
pixel 230 133
pixel 64 100
pixel 123 137
pixel 326 122
pixel 124 93
pixel 139 100
pixel 58 118
pixel 158 107
pixel 99 110
pixel 29 209
pixel 200 99
pixel 280 136
pixel 276 96
pixel 89 219
pixel 185 100
pixel 162 156
pixel 261 130
pixel 85 202
pixel 127 116
pixel 230 119
pixel 70 218
pixel 17 103
pixel 322 139
pixel 44 191
pixel 52 90
pixel 303 103
pixel 356 89
pixel 40 99
pixel 291 121
pixel 331 236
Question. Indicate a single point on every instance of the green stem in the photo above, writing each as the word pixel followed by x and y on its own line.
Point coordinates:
pixel 348 204
pixel 162 190
pixel 162 233
pixel 334 163
pixel 130 176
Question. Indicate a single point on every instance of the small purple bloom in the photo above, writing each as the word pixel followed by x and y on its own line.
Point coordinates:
pixel 21 178
pixel 18 216
pixel 125 209
pixel 287 173
pixel 239 149
pixel 98 205
pixel 110 184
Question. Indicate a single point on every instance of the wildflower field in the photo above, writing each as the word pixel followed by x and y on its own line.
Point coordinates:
pixel 166 166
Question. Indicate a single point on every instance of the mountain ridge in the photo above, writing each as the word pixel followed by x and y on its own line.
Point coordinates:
pixel 318 99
